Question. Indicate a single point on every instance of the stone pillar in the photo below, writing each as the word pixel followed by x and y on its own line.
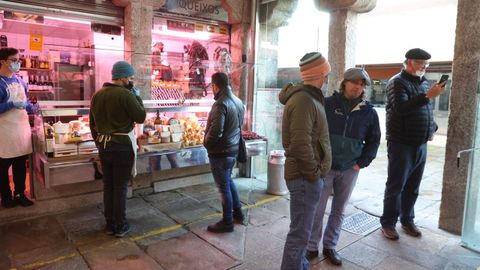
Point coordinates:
pixel 461 121
pixel 342 35
pixel 138 39
pixel 341 45
pixel 239 17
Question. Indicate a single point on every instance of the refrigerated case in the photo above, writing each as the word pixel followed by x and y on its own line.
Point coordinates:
pixel 61 162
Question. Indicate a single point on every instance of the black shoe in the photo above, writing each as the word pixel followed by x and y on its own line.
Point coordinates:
pixel 220 227
pixel 7 203
pixel 390 233
pixel 311 255
pixel 125 228
pixel 239 218
pixel 21 199
pixel 411 229
pixel 332 256
pixel 110 228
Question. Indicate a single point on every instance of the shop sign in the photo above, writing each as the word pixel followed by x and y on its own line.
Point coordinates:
pixel 209 9
pixel 180 26
pixel 17 16
pixel 36 42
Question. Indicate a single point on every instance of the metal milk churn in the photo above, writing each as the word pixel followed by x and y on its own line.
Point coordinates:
pixel 276 182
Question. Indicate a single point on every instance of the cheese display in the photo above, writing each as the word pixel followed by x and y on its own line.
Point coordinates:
pixel 185 129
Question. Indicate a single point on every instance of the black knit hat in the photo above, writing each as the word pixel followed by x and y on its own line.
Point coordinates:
pixel 417 53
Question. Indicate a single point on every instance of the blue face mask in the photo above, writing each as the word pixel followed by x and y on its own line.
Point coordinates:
pixel 15 67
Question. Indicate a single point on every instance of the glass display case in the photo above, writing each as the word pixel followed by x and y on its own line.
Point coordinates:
pixel 65 153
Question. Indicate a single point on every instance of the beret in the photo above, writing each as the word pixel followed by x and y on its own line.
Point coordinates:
pixel 417 53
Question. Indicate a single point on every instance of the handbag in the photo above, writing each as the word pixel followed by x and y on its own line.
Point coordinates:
pixel 242 148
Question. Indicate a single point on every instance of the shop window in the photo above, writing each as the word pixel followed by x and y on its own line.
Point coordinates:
pixel 62 58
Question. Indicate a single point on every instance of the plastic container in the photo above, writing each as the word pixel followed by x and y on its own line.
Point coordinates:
pixel 276 181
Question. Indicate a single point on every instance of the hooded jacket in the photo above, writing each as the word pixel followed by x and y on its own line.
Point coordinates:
pixel 409 111
pixel 222 134
pixel 354 135
pixel 305 132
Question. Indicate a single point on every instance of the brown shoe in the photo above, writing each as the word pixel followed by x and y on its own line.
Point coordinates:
pixel 310 255
pixel 390 233
pixel 411 229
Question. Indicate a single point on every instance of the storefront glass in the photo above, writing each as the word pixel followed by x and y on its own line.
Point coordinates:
pixel 471 222
pixel 280 45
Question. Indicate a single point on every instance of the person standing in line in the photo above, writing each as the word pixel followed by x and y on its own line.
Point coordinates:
pixel 308 155
pixel 114 110
pixel 355 137
pixel 15 133
pixel 222 138
pixel 410 125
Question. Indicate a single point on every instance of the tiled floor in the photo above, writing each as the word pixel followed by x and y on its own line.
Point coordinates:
pixel 169 232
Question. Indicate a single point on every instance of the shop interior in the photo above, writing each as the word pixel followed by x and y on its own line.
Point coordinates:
pixel 64 61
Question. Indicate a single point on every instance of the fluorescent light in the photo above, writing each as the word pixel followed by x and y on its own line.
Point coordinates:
pixel 196 35
pixel 66 20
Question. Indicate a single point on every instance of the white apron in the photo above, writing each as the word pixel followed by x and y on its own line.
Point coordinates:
pixel 15 132
pixel 106 138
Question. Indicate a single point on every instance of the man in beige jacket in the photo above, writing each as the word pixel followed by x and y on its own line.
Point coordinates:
pixel 307 147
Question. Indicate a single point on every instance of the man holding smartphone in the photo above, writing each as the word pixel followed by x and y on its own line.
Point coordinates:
pixel 410 125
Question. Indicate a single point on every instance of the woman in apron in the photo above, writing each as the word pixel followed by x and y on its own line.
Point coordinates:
pixel 114 110
pixel 15 133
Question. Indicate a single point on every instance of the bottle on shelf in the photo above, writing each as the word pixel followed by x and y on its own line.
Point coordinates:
pixel 28 62
pixel 42 63
pixel 49 142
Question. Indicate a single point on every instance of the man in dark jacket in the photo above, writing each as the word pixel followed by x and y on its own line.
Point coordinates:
pixel 308 155
pixel 114 110
pixel 222 138
pixel 354 137
pixel 409 126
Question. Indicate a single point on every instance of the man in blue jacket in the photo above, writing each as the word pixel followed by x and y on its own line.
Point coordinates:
pixel 354 137
pixel 409 126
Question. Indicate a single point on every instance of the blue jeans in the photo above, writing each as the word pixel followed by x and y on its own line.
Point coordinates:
pixel 405 171
pixel 117 162
pixel 342 184
pixel 304 196
pixel 222 174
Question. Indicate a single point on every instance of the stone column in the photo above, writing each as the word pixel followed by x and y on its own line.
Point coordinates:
pixel 138 39
pixel 342 39
pixel 461 121
pixel 239 17
pixel 342 35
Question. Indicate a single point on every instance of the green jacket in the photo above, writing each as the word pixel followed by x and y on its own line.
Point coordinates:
pixel 114 109
pixel 305 135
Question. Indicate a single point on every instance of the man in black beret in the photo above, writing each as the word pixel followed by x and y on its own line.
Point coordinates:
pixel 409 126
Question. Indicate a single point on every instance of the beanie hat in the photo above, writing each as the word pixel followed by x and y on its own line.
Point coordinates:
pixel 122 69
pixel 314 66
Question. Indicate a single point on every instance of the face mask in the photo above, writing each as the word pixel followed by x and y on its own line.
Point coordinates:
pixel 420 73
pixel 129 86
pixel 15 67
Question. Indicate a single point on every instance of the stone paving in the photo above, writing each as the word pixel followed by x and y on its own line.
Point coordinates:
pixel 169 232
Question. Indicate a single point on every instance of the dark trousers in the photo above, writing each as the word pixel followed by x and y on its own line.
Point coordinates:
pixel 19 169
pixel 405 171
pixel 222 174
pixel 117 162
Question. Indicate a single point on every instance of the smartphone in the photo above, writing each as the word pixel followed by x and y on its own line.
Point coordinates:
pixel 443 79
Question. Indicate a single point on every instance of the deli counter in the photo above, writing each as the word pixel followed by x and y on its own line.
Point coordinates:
pixel 65 153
